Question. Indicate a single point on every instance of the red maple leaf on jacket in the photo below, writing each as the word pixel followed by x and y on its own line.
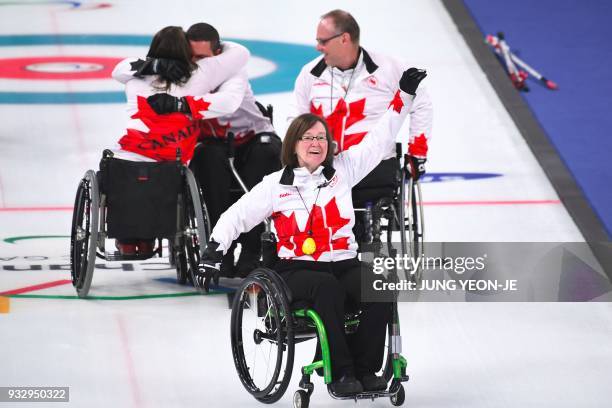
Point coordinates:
pixel 166 133
pixel 196 106
pixel 419 146
pixel 397 102
pixel 335 120
pixel 322 222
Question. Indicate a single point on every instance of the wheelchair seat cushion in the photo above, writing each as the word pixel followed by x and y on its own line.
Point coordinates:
pixel 142 198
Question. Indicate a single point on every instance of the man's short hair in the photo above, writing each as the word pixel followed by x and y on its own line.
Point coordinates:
pixel 205 32
pixel 345 23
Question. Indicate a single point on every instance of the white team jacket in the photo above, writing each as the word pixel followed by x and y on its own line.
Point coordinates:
pixel 332 218
pixel 353 101
pixel 211 73
pixel 153 137
pixel 244 122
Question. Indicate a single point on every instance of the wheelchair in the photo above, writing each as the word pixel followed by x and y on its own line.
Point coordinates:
pixel 266 324
pixel 397 207
pixel 265 327
pixel 126 199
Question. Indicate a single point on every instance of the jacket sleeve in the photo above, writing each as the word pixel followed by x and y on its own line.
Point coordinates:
pixel 123 71
pixel 421 112
pixel 217 69
pixel 301 95
pixel 224 101
pixel 361 159
pixel 250 210
pixel 226 65
pixel 421 120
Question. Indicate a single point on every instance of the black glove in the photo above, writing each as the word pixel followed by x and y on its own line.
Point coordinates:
pixel 211 265
pixel 411 78
pixel 170 69
pixel 163 103
pixel 416 165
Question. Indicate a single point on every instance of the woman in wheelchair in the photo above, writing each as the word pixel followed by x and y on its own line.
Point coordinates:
pixel 310 203
pixel 162 109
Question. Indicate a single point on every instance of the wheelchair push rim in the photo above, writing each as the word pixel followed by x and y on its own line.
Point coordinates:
pixel 84 233
pixel 262 338
pixel 413 225
pixel 197 226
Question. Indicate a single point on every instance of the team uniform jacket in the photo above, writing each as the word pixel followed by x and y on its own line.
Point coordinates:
pixel 153 137
pixel 353 101
pixel 245 122
pixel 325 206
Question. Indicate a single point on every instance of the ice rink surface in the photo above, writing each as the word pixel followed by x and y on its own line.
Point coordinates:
pixel 131 347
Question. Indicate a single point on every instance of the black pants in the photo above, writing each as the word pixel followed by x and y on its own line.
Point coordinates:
pixel 329 287
pixel 253 160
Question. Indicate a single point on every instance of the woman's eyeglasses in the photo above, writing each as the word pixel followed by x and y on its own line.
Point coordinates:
pixel 310 139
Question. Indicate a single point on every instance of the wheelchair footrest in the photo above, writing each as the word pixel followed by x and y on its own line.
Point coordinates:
pixel 117 256
pixel 371 395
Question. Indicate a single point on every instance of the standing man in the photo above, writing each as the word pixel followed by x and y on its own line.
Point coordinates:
pixel 352 88
pixel 257 150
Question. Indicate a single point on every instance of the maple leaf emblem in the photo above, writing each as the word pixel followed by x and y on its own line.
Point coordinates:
pixel 166 133
pixel 418 147
pixel 324 223
pixel 397 103
pixel 196 106
pixel 337 124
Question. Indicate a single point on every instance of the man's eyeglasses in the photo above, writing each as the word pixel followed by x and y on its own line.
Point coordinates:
pixel 310 139
pixel 323 41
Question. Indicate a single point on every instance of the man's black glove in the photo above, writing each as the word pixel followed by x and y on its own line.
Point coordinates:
pixel 211 265
pixel 170 69
pixel 164 103
pixel 411 78
pixel 416 165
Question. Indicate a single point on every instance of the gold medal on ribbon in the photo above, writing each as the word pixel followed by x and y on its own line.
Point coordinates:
pixel 309 246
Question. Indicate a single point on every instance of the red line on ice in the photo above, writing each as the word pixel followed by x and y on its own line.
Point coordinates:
pixel 34 288
pixel 493 202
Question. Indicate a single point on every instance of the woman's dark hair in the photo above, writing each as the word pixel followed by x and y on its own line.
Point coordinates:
pixel 296 130
pixel 171 43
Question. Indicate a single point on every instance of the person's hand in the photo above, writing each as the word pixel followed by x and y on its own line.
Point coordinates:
pixel 170 69
pixel 416 165
pixel 411 78
pixel 163 103
pixel 210 269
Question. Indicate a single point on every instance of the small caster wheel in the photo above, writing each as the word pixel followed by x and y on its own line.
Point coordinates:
pixel 397 399
pixel 301 399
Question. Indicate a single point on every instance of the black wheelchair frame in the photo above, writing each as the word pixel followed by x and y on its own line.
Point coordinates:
pixel 405 203
pixel 89 229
